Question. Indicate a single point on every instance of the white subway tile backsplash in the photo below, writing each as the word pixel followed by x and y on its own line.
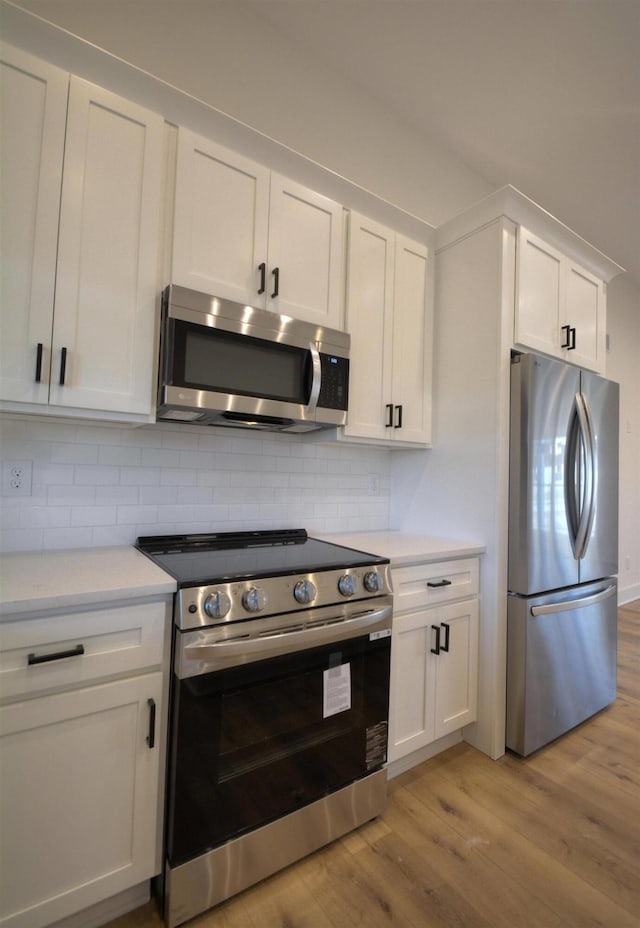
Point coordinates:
pixel 140 476
pixel 102 485
pixel 98 476
pixel 119 454
pixel 120 496
pixel 160 457
pixel 74 453
pixel 45 516
pixel 71 495
pixel 67 538
pixel 93 515
pixel 177 477
pixel 130 515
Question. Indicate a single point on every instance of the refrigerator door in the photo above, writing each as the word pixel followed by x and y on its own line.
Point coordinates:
pixel 561 661
pixel 543 415
pixel 599 555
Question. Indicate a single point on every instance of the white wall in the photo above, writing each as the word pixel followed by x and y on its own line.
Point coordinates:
pixel 623 365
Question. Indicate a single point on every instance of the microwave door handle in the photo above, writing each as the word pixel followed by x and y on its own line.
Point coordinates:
pixel 316 380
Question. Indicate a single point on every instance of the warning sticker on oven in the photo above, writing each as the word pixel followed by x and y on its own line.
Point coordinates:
pixel 337 690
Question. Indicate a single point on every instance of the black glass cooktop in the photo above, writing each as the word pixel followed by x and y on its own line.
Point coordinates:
pixel 198 560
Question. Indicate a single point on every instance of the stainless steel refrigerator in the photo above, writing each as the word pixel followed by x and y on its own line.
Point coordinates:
pixel 563 549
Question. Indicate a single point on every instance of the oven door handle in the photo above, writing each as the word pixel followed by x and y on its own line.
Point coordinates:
pixel 243 650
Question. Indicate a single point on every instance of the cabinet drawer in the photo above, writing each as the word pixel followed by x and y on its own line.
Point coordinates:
pixel 428 584
pixel 99 643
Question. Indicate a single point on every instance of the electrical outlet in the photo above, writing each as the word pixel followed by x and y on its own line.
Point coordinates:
pixel 16 478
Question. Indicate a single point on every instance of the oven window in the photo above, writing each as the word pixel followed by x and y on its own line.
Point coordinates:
pixel 254 743
pixel 223 362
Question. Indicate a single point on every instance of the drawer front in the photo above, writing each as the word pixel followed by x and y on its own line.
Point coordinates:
pixel 438 582
pixel 80 648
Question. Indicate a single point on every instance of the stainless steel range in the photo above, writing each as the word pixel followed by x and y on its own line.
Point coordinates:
pixel 279 705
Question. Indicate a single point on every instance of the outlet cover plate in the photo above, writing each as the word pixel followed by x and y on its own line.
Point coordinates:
pixel 16 478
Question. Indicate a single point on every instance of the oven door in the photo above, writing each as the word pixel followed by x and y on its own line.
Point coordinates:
pixel 253 742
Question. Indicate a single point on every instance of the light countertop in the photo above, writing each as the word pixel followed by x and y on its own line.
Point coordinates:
pixel 42 580
pixel 405 547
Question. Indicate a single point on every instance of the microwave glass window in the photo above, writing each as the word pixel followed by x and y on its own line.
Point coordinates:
pixel 223 362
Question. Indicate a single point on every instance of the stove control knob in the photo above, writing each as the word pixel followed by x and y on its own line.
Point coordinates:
pixel 347 584
pixel 216 605
pixel 305 591
pixel 254 600
pixel 371 582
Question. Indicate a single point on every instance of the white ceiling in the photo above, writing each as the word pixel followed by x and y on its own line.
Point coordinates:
pixel 542 94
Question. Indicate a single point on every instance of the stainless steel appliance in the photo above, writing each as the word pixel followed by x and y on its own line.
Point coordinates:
pixel 279 705
pixel 222 363
pixel 563 549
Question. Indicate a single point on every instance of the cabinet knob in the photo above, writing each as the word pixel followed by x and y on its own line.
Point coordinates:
pixel 263 276
pixel 276 282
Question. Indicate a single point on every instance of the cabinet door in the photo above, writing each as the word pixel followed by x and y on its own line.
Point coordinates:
pixel 221 221
pixel 78 799
pixel 456 670
pixel 411 723
pixel 410 389
pixel 306 244
pixel 33 110
pixel 107 288
pixel 370 271
pixel 540 294
pixel 585 311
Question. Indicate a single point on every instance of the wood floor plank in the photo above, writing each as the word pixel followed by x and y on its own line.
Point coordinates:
pixel 499 899
pixel 536 865
pixel 534 809
pixel 548 841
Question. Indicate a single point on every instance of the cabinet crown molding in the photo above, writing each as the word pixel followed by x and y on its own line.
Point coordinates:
pixel 510 203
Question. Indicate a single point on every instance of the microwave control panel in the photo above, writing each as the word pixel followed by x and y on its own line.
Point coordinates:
pixel 334 386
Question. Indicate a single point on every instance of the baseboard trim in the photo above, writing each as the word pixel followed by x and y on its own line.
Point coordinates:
pixel 402 764
pixel 626 594
pixel 105 911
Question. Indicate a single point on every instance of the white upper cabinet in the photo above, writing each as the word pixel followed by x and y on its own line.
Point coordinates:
pixel 88 343
pixel 246 234
pixel 560 306
pixel 390 326
pixel 220 221
pixel 33 111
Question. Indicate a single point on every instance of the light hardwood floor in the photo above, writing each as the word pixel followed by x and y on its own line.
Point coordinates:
pixel 466 842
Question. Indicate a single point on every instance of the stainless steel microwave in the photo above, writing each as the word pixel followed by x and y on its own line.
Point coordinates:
pixel 222 363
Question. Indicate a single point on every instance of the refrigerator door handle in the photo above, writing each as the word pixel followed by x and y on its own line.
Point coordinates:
pixel 588 479
pixel 570 604
pixel 579 477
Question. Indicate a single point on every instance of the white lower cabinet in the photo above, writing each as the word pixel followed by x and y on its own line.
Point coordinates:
pixel 80 769
pixel 434 654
